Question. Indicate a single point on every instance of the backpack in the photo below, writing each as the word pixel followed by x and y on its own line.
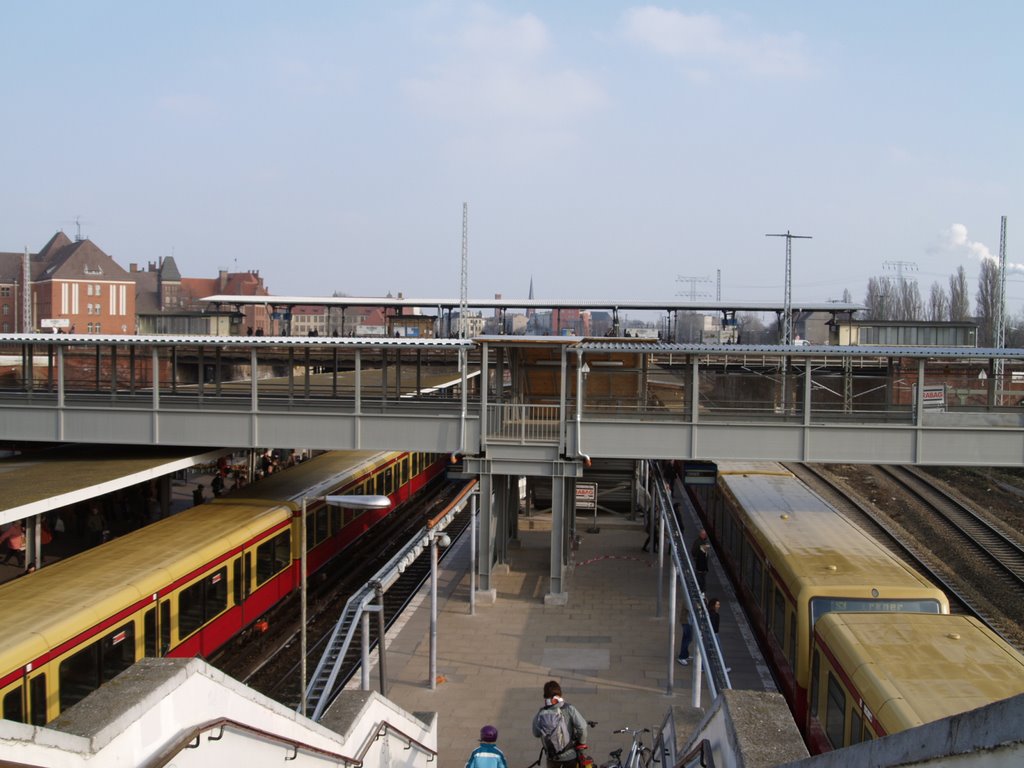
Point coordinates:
pixel 554 731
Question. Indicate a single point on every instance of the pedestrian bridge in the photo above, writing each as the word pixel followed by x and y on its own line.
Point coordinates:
pixel 520 405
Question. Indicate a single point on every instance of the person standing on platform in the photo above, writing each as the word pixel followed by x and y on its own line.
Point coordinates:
pixel 487 755
pixel 699 553
pixel 197 495
pixel 684 647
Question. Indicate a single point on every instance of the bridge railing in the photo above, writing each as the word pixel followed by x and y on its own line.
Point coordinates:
pixel 523 423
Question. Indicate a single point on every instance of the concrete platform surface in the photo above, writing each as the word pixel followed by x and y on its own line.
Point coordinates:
pixel 606 646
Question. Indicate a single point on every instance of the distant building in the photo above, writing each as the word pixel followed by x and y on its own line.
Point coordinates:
pixel 309 321
pixel 900 333
pixel 411 326
pixel 75 287
pixel 168 303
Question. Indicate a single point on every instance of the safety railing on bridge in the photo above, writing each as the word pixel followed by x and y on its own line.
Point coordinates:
pixel 522 423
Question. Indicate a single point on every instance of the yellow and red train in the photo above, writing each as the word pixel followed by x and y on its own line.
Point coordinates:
pixel 807 576
pixel 187 584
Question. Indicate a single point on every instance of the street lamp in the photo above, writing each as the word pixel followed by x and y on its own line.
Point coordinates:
pixel 349 502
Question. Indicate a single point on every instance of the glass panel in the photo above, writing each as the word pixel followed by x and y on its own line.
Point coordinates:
pixel 822 605
pixel 37 700
pixel 856 725
pixel 272 556
pixel 190 609
pixel 835 712
pixel 149 632
pixel 779 618
pixel 165 626
pixel 321 524
pixel 814 698
pixel 79 675
pixel 117 652
pixel 13 706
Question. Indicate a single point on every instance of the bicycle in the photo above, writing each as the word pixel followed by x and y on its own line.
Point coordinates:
pixel 639 756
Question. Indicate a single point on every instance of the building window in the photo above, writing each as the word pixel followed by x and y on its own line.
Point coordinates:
pixel 88 289
pixel 7 309
pixel 5 290
pixel 99 290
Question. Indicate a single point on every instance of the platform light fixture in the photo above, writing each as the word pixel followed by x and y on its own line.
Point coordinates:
pixel 349 502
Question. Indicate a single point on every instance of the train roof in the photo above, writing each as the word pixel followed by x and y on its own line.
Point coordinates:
pixel 46 608
pixel 316 477
pixel 916 668
pixel 815 549
pixel 41 610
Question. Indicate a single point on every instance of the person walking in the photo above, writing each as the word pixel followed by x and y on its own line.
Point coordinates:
pixel 699 553
pixel 684 647
pixel 487 755
pixel 560 727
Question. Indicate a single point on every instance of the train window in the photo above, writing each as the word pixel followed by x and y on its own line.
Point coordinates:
pixel 756 576
pixel 13 709
pixel 165 626
pixel 813 692
pixel 417 463
pixel 856 725
pixel 835 712
pixel 320 524
pixel 86 670
pixel 202 601
pixel 380 484
pixel 779 618
pixel 149 632
pixel 37 700
pixel 389 481
pixel 792 640
pixel 273 556
pixel 335 520
pixel 236 580
pixel 405 470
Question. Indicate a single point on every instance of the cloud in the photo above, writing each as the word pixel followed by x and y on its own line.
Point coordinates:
pixel 705 38
pixel 955 240
pixel 498 70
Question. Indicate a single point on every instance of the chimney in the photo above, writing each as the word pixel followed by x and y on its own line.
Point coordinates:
pixel 222 279
pixel 133 267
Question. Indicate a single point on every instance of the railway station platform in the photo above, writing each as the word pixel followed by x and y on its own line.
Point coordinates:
pixel 607 647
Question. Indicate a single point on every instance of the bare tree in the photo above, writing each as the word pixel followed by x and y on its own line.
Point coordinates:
pixel 959 303
pixel 881 299
pixel 938 304
pixel 987 302
pixel 909 305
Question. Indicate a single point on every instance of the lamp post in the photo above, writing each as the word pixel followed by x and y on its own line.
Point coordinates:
pixel 349 502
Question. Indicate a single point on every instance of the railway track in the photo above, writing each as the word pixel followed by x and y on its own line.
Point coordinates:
pixel 978 566
pixel 275 671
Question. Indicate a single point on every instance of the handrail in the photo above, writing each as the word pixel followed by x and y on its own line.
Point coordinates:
pixel 383 729
pixel 194 734
pixel 718 677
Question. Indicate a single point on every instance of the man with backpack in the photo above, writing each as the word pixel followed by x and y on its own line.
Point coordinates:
pixel 560 727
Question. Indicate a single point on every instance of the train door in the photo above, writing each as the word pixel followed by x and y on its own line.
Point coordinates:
pixel 38 701
pixel 164 626
pixel 241 580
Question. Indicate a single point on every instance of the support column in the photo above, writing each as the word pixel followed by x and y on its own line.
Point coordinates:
pixel 485 550
pixel 501 515
pixel 557 594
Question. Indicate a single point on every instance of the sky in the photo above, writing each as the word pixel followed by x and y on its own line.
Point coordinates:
pixel 608 150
